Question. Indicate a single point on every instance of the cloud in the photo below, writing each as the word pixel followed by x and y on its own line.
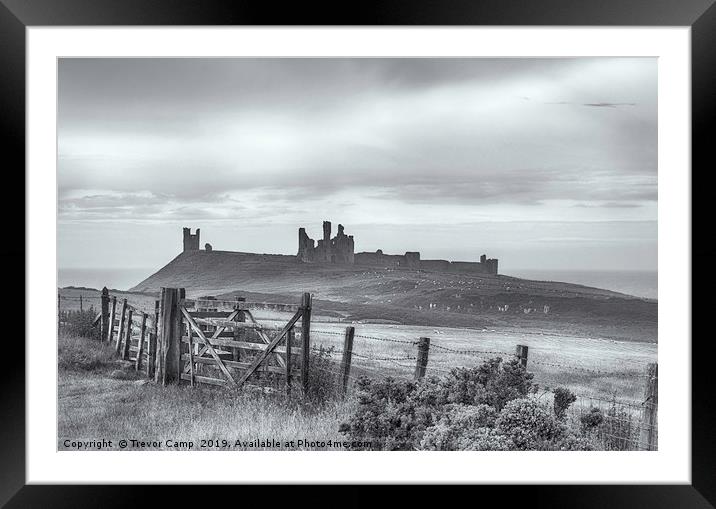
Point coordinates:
pixel 608 105
pixel 226 138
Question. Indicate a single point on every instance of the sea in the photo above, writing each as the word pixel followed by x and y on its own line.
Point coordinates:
pixel 632 282
pixel 117 279
pixel 636 283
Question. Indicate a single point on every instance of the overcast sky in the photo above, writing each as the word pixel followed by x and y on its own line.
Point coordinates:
pixel 543 163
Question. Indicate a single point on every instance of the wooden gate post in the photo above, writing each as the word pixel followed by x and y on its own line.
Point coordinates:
pixel 290 338
pixel 305 339
pixel 104 314
pixel 140 347
pixel 127 335
pixel 112 316
pixel 347 354
pixel 238 333
pixel 122 318
pixel 152 346
pixel 168 369
pixel 521 354
pixel 422 363
pixel 648 432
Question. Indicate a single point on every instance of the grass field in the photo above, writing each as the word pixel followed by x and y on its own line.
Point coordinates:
pixel 594 367
pixel 99 396
pixel 590 359
pixel 413 296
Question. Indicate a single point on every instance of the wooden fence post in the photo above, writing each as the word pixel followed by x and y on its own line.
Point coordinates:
pixel 81 306
pixel 59 313
pixel 112 315
pixel 192 377
pixel 238 333
pixel 127 335
pixel 422 363
pixel 290 338
pixel 347 354
pixel 122 318
pixel 521 354
pixel 104 314
pixel 168 369
pixel 305 339
pixel 140 347
pixel 158 376
pixel 648 433
pixel 152 347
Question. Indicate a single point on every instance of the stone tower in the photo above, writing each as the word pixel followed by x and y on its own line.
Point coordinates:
pixel 191 241
pixel 326 231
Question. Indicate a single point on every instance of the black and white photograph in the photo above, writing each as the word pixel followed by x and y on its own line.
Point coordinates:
pixel 357 254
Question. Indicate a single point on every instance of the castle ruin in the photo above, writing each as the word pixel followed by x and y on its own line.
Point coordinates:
pixel 191 241
pixel 340 250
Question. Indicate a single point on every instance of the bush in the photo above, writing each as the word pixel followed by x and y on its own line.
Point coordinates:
pixel 572 442
pixel 386 415
pixel 563 398
pixel 591 420
pixel 486 408
pixel 493 383
pixel 528 424
pixel 615 430
pixel 79 323
pixel 460 425
pixel 486 439
pixel 394 414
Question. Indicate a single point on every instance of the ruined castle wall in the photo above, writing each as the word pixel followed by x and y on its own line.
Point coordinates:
pixel 306 246
pixel 341 250
pixel 491 265
pixel 467 267
pixel 411 260
pixel 440 265
pixel 379 259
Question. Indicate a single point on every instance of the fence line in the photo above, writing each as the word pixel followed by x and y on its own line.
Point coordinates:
pixel 127 318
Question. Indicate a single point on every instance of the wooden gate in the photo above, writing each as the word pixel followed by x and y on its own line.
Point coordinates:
pixel 224 344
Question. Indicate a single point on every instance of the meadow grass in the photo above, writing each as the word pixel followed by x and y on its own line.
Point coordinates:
pixel 93 405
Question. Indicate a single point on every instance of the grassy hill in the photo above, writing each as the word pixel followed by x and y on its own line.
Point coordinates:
pixel 412 296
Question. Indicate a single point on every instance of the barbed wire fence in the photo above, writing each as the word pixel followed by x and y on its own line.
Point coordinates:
pixel 624 400
pixel 627 414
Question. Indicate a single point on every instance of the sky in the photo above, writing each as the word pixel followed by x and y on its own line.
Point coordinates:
pixel 542 163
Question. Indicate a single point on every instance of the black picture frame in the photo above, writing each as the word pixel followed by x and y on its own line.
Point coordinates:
pixel 700 15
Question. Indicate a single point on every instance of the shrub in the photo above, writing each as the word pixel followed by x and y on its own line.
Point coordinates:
pixel 459 425
pixel 528 424
pixel 395 414
pixel 493 383
pixel 591 420
pixel 483 408
pixel 572 442
pixel 485 439
pixel 385 416
pixel 615 430
pixel 79 323
pixel 563 398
